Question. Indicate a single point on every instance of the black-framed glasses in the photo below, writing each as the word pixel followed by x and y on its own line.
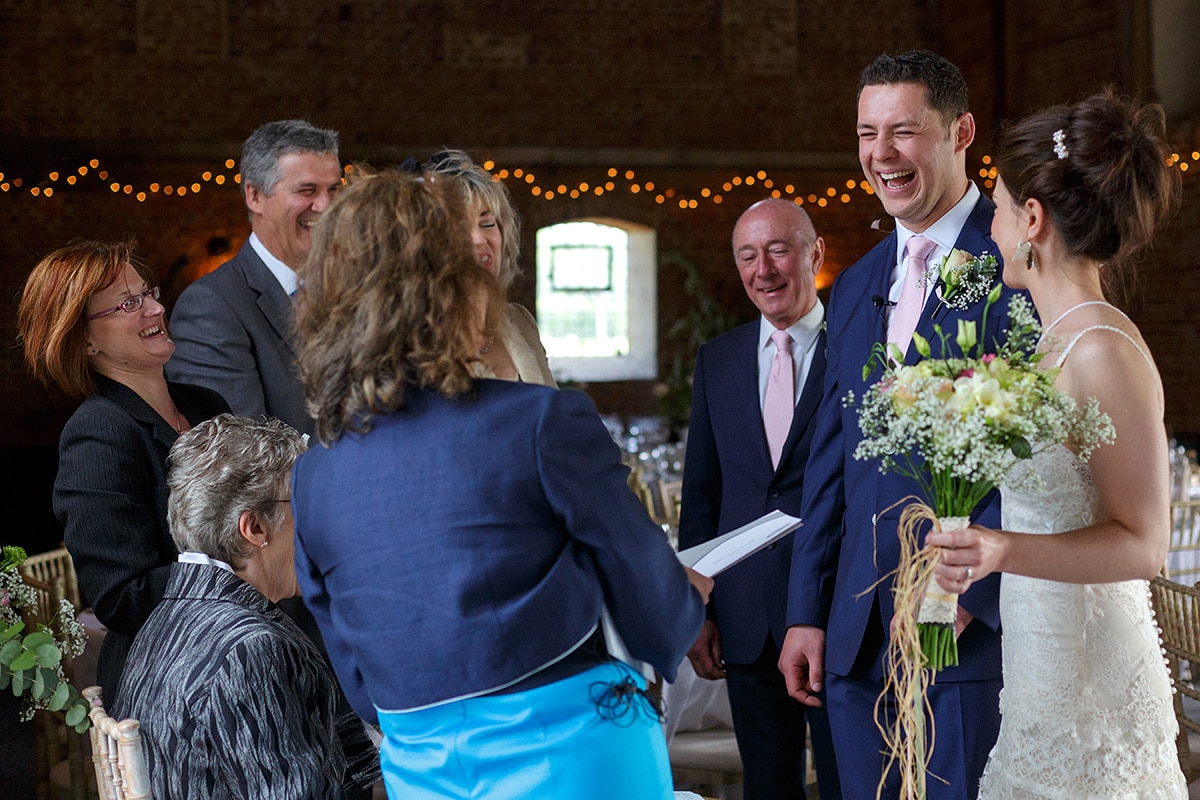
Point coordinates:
pixel 128 305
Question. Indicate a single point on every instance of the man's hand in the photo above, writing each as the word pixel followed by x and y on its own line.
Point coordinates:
pixel 705 654
pixel 701 583
pixel 802 662
pixel 961 620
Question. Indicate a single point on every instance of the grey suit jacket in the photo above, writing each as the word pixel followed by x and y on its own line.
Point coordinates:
pixel 233 333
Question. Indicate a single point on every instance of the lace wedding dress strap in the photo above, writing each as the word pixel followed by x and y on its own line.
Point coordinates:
pixel 1075 339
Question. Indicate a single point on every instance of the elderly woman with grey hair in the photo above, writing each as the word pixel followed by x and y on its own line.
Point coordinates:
pixel 234 701
pixel 513 348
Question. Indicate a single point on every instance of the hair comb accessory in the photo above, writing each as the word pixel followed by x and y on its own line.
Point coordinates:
pixel 1060 147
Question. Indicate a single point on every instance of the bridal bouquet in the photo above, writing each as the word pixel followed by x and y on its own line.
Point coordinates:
pixel 31 663
pixel 957 425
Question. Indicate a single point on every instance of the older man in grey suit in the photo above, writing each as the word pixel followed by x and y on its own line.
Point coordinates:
pixel 232 327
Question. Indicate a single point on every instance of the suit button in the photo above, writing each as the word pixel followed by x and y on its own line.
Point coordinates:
pixel 772 546
pixel 775 494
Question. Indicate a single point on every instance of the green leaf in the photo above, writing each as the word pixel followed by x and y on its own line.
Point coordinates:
pixel 38 690
pixel 9 652
pixel 994 294
pixel 36 639
pixel 12 630
pixel 5 677
pixel 19 682
pixel 1021 448
pixel 77 713
pixel 62 694
pixel 48 655
pixel 24 661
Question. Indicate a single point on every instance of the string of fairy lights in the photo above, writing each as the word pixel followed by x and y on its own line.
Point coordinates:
pixel 611 180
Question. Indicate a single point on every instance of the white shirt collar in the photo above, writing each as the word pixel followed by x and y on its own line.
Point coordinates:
pixel 191 557
pixel 803 331
pixel 282 272
pixel 945 231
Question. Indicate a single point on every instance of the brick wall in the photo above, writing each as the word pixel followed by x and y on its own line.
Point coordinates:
pixel 688 95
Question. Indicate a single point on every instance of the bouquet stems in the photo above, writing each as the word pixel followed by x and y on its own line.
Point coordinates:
pixel 937 614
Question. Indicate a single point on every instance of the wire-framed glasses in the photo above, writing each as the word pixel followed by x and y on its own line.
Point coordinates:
pixel 128 305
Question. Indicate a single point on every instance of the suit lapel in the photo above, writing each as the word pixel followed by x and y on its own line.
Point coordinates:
pixel 742 390
pixel 271 299
pixel 975 238
pixel 129 400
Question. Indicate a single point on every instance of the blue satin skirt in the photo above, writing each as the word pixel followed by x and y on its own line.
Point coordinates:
pixel 577 737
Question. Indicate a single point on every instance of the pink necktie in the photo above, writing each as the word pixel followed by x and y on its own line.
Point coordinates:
pixel 779 401
pixel 912 295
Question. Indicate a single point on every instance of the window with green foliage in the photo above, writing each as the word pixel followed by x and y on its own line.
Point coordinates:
pixel 597 299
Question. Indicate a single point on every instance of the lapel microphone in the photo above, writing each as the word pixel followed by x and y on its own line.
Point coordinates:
pixel 880 302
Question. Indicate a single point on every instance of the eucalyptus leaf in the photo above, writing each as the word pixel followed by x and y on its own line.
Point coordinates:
pixel 5 677
pixel 83 726
pixel 9 651
pixel 62 694
pixel 24 661
pixel 38 638
pixel 19 682
pixel 48 655
pixel 75 714
pixel 38 690
pixel 12 630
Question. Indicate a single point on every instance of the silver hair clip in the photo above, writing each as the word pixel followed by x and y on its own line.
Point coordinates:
pixel 1060 149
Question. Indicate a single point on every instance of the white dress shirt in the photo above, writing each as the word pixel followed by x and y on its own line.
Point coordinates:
pixel 943 233
pixel 282 272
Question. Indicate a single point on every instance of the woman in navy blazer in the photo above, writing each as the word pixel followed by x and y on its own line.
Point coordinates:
pixel 457 537
pixel 92 325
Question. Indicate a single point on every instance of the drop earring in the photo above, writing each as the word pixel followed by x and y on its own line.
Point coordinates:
pixel 1025 251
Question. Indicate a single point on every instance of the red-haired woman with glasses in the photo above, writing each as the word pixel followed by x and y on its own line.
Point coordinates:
pixel 92 325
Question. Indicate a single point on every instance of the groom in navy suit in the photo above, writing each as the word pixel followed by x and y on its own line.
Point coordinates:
pixel 913 132
pixel 755 393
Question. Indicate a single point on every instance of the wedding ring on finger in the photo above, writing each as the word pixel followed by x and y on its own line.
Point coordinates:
pixel 968 573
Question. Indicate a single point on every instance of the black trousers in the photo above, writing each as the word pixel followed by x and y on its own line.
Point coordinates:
pixel 770 732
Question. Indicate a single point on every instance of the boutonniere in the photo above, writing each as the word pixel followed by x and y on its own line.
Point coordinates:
pixel 963 279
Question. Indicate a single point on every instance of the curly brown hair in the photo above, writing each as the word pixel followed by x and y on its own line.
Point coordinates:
pixel 52 317
pixel 392 298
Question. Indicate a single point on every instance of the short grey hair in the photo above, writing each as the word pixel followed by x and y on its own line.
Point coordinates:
pixel 481 187
pixel 269 143
pixel 222 467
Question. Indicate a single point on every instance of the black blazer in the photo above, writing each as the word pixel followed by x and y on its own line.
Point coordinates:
pixel 111 497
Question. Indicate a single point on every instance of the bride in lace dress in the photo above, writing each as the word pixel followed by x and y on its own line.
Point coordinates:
pixel 1086 706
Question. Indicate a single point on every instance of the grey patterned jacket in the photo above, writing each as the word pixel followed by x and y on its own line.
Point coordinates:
pixel 234 701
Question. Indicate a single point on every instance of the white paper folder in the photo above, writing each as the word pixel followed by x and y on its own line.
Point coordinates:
pixel 719 554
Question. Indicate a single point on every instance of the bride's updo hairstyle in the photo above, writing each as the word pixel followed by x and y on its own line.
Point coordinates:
pixel 1099 168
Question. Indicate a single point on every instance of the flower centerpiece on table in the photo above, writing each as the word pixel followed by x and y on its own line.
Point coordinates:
pixel 31 662
pixel 964 279
pixel 957 426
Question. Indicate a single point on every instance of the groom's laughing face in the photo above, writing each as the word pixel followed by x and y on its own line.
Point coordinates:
pixel 912 156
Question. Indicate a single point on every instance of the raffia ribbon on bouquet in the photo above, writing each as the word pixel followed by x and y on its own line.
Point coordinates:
pixel 908 743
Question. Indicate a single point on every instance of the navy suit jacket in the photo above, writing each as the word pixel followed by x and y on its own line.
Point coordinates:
pixel 850 541
pixel 233 333
pixel 463 544
pixel 728 481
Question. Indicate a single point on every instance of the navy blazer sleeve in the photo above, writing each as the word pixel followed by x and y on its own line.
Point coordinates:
pixel 655 608
pixel 213 349
pixel 316 598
